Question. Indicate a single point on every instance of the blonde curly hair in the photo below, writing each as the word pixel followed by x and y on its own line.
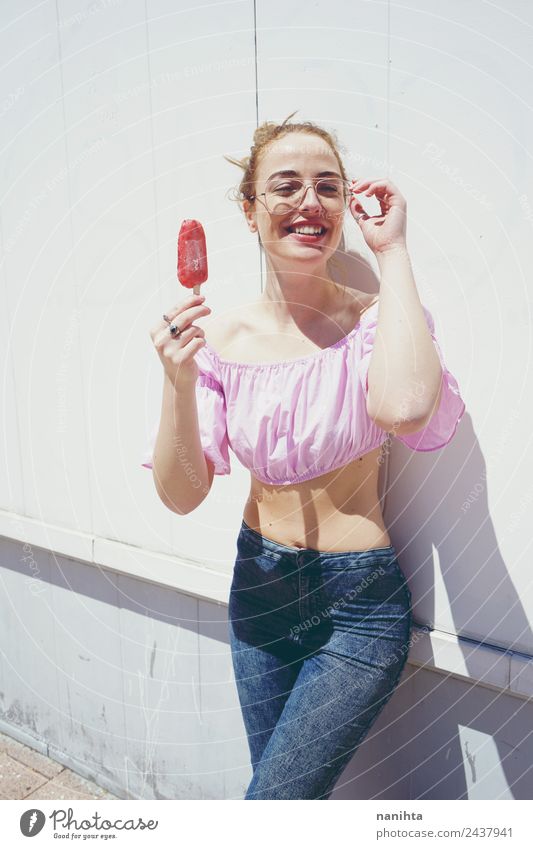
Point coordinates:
pixel 265 134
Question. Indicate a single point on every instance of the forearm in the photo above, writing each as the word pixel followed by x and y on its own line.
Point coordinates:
pixel 179 465
pixel 405 374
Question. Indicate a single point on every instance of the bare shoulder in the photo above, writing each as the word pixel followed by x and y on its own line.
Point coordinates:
pixel 223 329
pixel 217 332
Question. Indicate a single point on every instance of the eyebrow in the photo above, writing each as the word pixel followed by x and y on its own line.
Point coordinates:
pixel 289 173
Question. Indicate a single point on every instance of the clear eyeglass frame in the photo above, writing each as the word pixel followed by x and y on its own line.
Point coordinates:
pixel 330 204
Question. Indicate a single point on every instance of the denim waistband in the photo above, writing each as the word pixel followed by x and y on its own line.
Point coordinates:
pixel 272 545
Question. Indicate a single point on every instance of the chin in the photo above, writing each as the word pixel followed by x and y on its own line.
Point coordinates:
pixel 308 254
pixel 306 257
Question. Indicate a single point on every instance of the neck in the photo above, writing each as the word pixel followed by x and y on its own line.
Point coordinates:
pixel 299 297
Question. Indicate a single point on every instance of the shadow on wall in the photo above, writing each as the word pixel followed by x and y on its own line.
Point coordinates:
pixel 436 508
pixel 348 267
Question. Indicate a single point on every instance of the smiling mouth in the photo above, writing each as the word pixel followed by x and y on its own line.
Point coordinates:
pixel 306 230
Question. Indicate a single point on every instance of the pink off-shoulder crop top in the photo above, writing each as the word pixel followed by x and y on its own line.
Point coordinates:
pixel 294 420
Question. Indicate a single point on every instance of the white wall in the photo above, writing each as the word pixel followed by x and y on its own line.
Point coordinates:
pixel 115 125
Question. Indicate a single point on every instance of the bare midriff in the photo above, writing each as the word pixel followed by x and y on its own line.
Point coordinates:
pixel 338 511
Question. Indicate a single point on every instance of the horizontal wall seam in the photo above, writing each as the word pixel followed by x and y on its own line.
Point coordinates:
pixel 493 666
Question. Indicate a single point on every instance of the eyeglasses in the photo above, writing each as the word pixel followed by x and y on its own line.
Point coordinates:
pixel 285 195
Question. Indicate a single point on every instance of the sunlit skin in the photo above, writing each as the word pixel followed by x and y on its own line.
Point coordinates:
pixel 298 281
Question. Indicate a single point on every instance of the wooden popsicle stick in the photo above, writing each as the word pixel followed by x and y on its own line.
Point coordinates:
pixel 196 289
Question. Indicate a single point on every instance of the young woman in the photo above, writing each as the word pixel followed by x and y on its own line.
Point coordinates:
pixel 304 384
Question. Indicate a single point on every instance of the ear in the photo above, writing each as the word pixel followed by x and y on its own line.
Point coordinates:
pixel 249 214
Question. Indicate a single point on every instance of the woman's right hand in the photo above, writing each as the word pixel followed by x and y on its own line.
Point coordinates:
pixel 177 354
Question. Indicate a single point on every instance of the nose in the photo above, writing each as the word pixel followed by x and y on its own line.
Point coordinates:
pixel 310 200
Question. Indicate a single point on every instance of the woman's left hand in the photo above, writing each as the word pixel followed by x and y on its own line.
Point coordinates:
pixel 385 231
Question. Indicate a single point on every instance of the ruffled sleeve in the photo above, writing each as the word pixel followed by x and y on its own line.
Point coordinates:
pixel 211 405
pixel 443 424
pixel 212 413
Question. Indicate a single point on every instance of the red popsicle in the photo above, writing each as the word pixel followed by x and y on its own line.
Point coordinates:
pixel 192 255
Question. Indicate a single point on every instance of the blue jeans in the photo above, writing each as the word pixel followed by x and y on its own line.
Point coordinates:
pixel 318 642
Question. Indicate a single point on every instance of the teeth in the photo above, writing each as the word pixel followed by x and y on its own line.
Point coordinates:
pixel 307 230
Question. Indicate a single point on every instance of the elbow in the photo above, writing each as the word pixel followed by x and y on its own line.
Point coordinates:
pixel 407 427
pixel 404 420
pixel 181 509
pixel 182 503
pixel 400 425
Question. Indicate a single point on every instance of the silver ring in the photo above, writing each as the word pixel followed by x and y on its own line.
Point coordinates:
pixel 174 331
pixel 166 318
